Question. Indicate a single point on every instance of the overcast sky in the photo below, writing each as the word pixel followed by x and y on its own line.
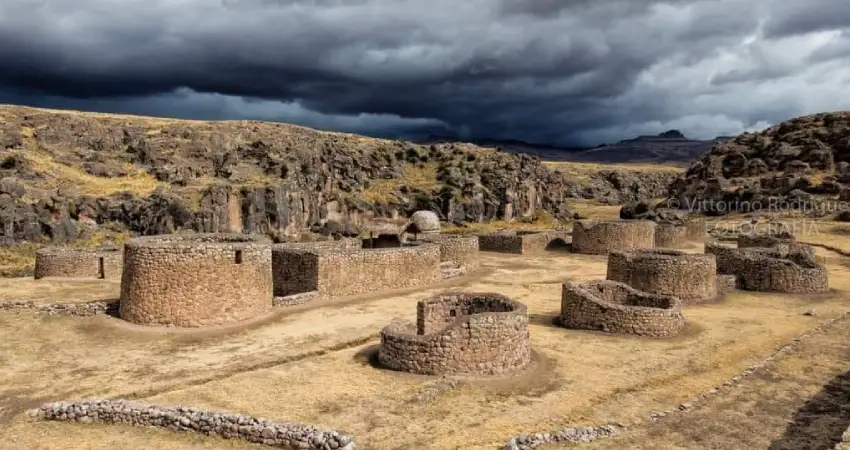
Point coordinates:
pixel 569 72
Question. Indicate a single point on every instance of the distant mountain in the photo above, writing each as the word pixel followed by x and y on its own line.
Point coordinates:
pixel 671 147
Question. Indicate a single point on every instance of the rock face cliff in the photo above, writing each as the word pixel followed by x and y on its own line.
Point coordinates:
pixel 801 163
pixel 64 173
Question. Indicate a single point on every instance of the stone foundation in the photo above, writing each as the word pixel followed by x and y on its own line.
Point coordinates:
pixel 79 263
pixel 339 272
pixel 290 436
pixel 195 280
pixel 600 237
pixel 459 333
pixel 690 277
pixel 615 307
pixel 523 242
pixel 772 269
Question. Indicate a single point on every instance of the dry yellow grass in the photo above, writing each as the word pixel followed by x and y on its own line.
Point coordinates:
pixel 419 176
pixel 307 365
pixel 582 170
pixel 60 175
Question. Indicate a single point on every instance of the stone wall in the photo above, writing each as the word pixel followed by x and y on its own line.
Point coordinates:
pixel 284 435
pixel 690 277
pixel 78 263
pixel 523 242
pixel 768 240
pixel 195 280
pixel 772 269
pixel 295 267
pixel 600 237
pixel 614 307
pixel 339 272
pixel 697 228
pixel 459 333
pixel 668 235
pixel 460 252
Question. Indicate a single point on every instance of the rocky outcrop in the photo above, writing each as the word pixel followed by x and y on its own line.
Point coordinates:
pixel 779 168
pixel 63 174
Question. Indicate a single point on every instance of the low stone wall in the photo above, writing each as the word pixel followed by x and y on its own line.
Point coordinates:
pixel 600 237
pixel 460 252
pixel 340 272
pixel 669 235
pixel 746 240
pixel 690 277
pixel 87 309
pixel 459 333
pixel 771 269
pixel 186 419
pixel 78 263
pixel 615 307
pixel 195 280
pixel 523 242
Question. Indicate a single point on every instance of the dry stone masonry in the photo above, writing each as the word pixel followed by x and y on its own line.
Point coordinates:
pixel 458 253
pixel 600 237
pixel 668 235
pixel 289 436
pixel 572 435
pixel 61 309
pixel 690 277
pixel 339 272
pixel 777 269
pixel 78 263
pixel 614 307
pixel 464 333
pixel 523 241
pixel 195 280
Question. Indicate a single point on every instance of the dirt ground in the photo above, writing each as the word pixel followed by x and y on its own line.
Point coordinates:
pixel 311 364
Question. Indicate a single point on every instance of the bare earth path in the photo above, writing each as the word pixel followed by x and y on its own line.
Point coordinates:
pixel 310 364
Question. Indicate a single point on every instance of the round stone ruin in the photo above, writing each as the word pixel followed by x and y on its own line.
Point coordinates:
pixel 784 268
pixel 690 277
pixel 465 333
pixel 102 262
pixel 195 280
pixel 601 237
pixel 617 308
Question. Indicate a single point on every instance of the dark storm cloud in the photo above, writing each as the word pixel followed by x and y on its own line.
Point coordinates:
pixel 561 71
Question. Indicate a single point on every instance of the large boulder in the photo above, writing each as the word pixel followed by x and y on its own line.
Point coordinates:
pixel 424 222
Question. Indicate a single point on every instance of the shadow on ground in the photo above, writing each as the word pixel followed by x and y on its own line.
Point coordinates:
pixel 819 424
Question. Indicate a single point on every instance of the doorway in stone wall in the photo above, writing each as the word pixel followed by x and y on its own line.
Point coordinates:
pixel 238 257
pixel 101 269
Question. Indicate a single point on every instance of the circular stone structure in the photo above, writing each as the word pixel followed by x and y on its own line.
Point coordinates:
pixel 424 222
pixel 105 262
pixel 463 333
pixel 600 237
pixel 692 277
pixel 777 269
pixel 194 280
pixel 614 307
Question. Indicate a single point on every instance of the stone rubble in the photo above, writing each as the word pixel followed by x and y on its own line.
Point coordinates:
pixel 61 309
pixel 212 423
pixel 577 435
